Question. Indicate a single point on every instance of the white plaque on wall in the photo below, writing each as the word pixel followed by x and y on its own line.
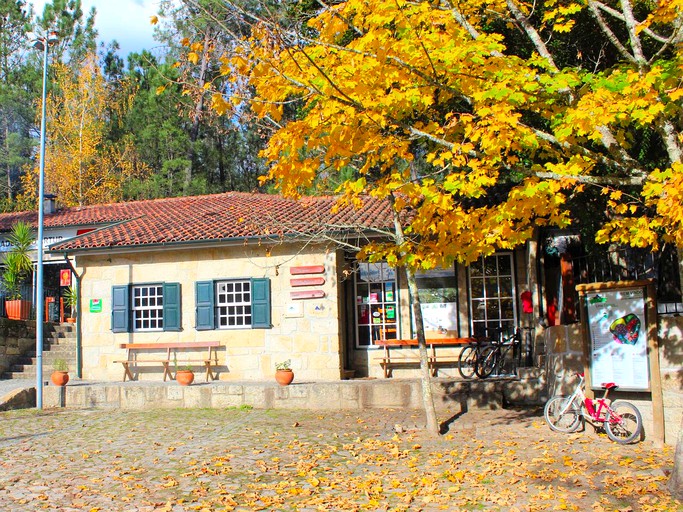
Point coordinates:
pixel 295 310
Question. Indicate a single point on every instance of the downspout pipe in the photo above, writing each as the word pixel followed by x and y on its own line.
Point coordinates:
pixel 79 337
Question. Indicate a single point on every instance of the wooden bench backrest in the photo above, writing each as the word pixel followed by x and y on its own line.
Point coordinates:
pixel 175 344
pixel 432 341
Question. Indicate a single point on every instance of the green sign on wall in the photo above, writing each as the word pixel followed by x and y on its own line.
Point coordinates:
pixel 96 305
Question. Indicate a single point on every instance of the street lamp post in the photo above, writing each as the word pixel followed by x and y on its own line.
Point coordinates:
pixel 43 44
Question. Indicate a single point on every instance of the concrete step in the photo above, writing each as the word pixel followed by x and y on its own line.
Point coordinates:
pixel 59 343
pixel 26 362
pixel 55 349
pixel 528 389
pixel 28 375
pixel 530 372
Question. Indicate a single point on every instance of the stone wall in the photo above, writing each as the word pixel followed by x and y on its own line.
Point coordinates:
pixel 305 331
pixel 671 368
pixel 452 396
pixel 16 339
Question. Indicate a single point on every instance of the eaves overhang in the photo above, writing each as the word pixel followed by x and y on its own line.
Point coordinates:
pixel 210 243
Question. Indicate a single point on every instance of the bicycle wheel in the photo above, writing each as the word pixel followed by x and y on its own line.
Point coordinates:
pixel 486 362
pixel 624 423
pixel 467 361
pixel 562 415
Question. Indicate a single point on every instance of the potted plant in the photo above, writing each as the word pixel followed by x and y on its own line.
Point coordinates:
pixel 183 374
pixel 283 373
pixel 60 374
pixel 18 267
pixel 71 301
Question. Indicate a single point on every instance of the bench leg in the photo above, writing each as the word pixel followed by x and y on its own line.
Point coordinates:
pixel 126 372
pixel 167 371
pixel 209 373
pixel 433 370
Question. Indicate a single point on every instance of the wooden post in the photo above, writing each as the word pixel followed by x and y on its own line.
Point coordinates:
pixel 566 312
pixel 658 431
pixel 585 335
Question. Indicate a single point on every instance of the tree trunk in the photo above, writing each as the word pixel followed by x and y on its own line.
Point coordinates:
pixel 427 397
pixel 7 165
pixel 196 116
pixel 676 480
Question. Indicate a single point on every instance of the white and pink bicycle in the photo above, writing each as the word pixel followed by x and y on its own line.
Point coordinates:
pixel 620 419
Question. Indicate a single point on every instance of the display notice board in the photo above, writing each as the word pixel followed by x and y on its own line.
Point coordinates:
pixel 619 323
pixel 618 336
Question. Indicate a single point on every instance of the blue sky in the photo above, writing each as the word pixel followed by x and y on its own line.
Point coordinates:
pixel 127 21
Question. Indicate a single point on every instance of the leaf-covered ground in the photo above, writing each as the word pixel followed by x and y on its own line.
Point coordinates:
pixel 178 460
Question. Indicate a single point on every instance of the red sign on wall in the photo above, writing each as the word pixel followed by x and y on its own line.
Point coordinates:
pixel 65 277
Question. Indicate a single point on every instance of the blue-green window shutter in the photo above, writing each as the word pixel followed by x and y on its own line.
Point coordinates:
pixel 260 303
pixel 171 306
pixel 205 305
pixel 120 308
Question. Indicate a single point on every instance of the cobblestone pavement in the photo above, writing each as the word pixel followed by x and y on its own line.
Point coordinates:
pixel 241 459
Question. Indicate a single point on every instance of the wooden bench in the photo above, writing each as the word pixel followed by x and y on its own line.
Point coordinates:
pixel 166 354
pixel 394 358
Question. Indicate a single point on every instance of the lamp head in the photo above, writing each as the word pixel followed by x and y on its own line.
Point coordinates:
pixel 50 39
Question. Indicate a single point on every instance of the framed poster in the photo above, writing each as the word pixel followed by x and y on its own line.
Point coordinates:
pixel 64 277
pixel 440 316
pixel 617 327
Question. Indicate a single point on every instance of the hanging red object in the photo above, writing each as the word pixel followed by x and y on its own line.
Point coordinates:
pixel 65 277
pixel 527 304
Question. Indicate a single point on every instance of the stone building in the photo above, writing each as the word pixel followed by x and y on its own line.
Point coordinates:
pixel 273 279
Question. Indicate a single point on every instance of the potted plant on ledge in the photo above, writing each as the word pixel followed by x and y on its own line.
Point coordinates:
pixel 18 267
pixel 283 373
pixel 183 374
pixel 60 375
pixel 71 301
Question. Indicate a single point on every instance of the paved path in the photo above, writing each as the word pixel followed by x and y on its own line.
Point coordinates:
pixel 9 385
pixel 241 459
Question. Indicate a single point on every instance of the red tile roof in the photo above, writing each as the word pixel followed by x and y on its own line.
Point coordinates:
pixel 228 216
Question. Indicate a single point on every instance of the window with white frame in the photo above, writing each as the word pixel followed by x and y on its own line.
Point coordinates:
pixel 376 303
pixel 233 304
pixel 148 307
pixel 492 293
pixel 242 303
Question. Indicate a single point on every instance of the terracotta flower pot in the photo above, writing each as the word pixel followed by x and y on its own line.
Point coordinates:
pixel 284 377
pixel 184 377
pixel 59 378
pixel 18 309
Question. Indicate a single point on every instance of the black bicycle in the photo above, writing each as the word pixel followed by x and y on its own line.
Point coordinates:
pixel 492 358
pixel 469 356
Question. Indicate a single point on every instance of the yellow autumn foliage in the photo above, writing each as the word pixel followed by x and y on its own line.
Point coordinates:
pixel 477 142
pixel 81 168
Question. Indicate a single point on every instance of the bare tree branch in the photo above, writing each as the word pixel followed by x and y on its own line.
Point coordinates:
pixel 631 25
pixel 609 34
pixel 531 33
